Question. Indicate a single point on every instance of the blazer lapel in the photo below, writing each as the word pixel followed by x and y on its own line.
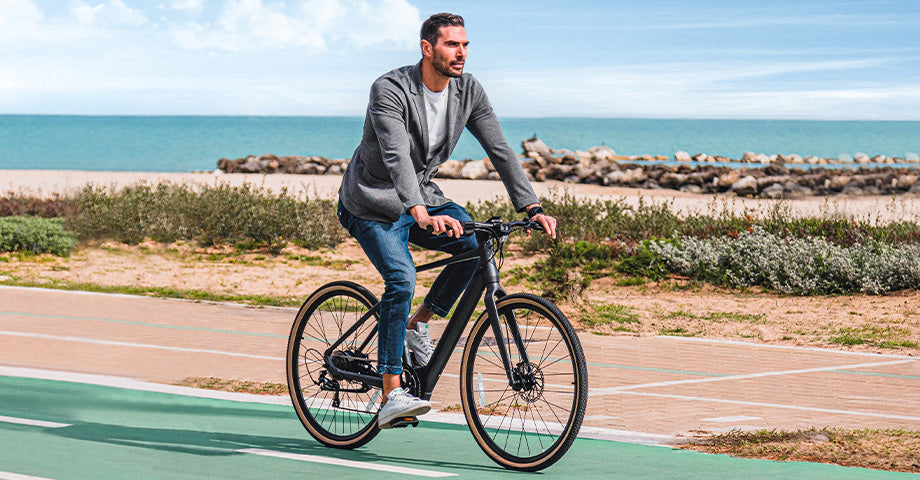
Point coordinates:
pixel 418 102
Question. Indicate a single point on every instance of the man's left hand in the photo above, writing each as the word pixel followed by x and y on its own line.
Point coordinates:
pixel 548 223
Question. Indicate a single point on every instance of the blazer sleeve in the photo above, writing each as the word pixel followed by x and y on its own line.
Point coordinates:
pixel 483 124
pixel 387 110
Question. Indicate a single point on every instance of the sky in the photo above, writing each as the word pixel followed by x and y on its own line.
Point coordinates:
pixel 806 59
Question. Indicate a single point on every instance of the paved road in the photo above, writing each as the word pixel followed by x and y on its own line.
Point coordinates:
pixel 643 390
pixel 63 430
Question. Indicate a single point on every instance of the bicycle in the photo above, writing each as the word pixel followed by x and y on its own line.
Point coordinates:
pixel 523 384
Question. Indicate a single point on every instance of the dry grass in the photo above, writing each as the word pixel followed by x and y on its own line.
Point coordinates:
pixel 238 386
pixel 893 450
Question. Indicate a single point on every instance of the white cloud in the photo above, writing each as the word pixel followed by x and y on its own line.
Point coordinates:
pixel 115 12
pixel 190 6
pixel 314 26
pixel 13 12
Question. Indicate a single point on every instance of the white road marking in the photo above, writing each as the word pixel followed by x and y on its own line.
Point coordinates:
pixel 34 423
pixel 777 405
pixel 736 418
pixel 624 388
pixel 16 476
pixel 136 345
pixel 780 347
pixel 347 463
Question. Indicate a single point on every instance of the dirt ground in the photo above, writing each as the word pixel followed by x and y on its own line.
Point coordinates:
pixel 883 324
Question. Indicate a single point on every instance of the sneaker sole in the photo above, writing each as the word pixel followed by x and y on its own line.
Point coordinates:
pixel 384 424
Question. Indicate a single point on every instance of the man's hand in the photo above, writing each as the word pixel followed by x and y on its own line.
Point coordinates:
pixel 439 223
pixel 548 222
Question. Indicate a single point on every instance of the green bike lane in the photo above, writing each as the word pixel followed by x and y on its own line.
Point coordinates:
pixel 66 430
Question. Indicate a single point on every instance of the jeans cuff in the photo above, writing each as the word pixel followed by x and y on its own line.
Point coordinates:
pixel 437 309
pixel 389 370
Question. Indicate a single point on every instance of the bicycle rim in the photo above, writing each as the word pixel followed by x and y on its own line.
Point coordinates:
pixel 336 412
pixel 532 428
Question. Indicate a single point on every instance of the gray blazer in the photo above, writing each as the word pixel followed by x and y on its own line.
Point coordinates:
pixel 389 171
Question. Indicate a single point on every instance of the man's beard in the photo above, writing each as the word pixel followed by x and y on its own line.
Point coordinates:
pixel 442 66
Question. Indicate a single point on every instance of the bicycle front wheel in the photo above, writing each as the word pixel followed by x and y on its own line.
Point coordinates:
pixel 338 413
pixel 530 428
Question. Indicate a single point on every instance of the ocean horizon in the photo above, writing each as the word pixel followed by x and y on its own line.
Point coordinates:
pixel 196 143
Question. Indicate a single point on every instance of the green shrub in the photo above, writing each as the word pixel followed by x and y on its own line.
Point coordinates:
pixel 35 235
pixel 646 262
pixel 222 214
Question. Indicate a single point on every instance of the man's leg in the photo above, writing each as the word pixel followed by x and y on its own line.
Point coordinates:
pixel 446 288
pixel 386 245
pixel 452 281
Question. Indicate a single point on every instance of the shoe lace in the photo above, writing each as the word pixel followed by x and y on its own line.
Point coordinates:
pixel 426 344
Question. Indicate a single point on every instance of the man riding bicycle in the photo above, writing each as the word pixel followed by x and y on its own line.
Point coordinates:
pixel 414 119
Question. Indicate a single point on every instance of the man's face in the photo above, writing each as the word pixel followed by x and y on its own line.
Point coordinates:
pixel 449 53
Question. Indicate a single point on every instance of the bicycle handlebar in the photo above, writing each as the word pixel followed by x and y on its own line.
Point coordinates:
pixel 495 227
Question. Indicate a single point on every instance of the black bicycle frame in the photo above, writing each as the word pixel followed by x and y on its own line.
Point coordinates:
pixel 484 281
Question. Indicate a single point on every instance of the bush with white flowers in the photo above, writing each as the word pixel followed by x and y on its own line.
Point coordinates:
pixel 804 266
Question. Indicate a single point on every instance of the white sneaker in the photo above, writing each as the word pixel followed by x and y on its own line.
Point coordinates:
pixel 419 341
pixel 401 404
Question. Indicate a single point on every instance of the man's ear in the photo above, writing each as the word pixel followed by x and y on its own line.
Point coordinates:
pixel 426 48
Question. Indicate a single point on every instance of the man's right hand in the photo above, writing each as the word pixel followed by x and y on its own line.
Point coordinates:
pixel 439 223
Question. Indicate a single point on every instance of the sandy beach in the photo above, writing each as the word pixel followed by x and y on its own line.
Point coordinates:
pixel 875 208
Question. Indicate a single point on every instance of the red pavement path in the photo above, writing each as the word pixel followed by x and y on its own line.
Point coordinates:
pixel 664 386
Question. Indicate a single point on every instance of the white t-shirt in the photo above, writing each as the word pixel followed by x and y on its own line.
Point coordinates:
pixel 436 112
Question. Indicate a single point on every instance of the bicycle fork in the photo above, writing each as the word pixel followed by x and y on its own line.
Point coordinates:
pixel 493 290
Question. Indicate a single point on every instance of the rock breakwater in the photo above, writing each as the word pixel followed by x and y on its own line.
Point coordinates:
pixel 775 176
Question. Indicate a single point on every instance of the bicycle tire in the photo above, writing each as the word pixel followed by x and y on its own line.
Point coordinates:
pixel 531 429
pixel 324 316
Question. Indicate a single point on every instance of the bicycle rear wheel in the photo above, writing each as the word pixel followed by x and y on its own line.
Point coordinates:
pixel 338 413
pixel 532 428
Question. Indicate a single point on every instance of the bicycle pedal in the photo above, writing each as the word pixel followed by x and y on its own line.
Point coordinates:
pixel 403 422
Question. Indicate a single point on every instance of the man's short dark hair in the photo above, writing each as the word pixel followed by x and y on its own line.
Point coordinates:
pixel 431 29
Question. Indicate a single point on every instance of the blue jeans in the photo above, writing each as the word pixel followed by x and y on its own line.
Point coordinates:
pixel 387 247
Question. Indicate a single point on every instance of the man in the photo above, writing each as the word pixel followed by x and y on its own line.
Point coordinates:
pixel 415 116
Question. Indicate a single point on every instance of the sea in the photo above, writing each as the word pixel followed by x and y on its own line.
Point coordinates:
pixel 196 143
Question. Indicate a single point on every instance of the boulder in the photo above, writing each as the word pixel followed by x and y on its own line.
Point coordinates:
pixel 700 157
pixel 553 172
pixel 774 191
pixel 251 164
pixel 450 169
pixel 746 186
pixel 614 177
pixel 776 169
pixel 602 153
pixel 310 168
pixel 672 180
pixel 534 144
pixel 682 156
pixel 634 176
pixel 838 182
pixel 728 179
pixel 475 170
pixel 749 157
pixel 794 190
